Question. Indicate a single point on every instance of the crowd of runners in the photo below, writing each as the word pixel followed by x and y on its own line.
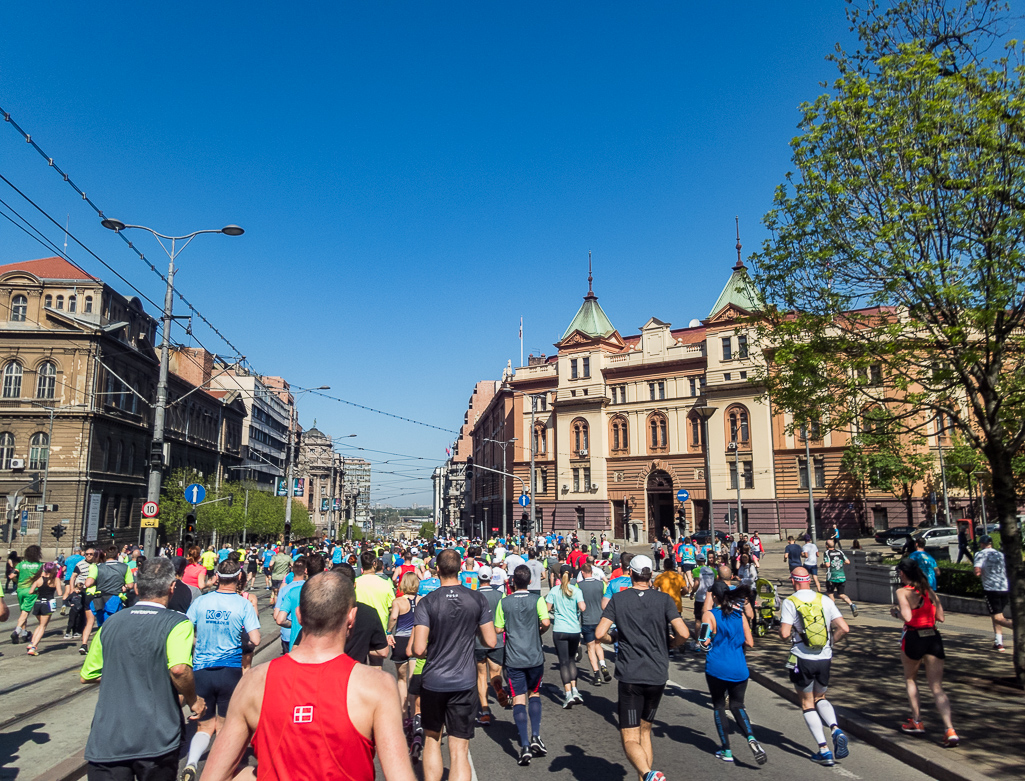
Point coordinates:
pixel 463 623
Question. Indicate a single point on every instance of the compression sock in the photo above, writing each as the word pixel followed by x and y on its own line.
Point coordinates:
pixel 814 722
pixel 520 717
pixel 200 743
pixel 534 704
pixel 721 728
pixel 825 710
pixel 740 714
pixel 998 638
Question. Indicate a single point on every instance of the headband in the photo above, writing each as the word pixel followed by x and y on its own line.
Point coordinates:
pixel 801 578
pixel 222 576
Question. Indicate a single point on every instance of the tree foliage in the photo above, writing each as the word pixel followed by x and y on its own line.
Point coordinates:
pixel 895 275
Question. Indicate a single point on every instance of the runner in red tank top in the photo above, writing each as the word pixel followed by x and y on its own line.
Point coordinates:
pixel 315 714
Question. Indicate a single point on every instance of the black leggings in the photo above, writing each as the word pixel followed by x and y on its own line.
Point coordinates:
pixel 566 645
pixel 719 689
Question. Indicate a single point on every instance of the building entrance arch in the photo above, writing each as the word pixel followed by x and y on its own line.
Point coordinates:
pixel 659 493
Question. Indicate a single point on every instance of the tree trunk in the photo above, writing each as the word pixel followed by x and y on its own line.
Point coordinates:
pixel 1005 504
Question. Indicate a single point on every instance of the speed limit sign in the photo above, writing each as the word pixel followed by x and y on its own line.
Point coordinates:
pixel 150 510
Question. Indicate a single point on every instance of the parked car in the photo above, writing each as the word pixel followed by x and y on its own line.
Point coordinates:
pixel 702 537
pixel 889 536
pixel 935 537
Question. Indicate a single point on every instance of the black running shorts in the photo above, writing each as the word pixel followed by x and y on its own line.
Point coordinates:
pixel 811 674
pixel 997 602
pixel 917 643
pixel 638 702
pixel 836 587
pixel 216 685
pixel 455 711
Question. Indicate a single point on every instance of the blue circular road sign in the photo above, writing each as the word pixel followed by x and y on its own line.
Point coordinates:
pixel 524 500
pixel 195 493
pixel 683 495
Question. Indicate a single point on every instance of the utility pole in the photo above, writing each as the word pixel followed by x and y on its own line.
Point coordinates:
pixel 533 469
pixel 289 472
pixel 740 508
pixel 811 479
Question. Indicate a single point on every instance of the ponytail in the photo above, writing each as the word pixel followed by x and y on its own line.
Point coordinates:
pixel 567 589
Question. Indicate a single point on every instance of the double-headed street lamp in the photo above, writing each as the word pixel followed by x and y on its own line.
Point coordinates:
pixel 157 449
pixel 505 508
pixel 705 412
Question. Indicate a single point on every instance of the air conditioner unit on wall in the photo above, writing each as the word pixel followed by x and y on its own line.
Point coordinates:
pixel 17 463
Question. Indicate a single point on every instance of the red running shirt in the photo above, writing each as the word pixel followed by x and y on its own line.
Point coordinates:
pixel 305 733
pixel 923 616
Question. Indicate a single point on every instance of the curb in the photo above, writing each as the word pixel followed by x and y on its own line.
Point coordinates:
pixel 886 740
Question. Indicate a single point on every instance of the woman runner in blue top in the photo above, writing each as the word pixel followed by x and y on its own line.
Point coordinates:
pixel 726 666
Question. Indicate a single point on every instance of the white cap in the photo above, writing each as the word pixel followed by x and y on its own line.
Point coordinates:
pixel 484 573
pixel 638 564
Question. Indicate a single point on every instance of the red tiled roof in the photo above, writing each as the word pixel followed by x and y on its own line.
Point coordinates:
pixel 50 268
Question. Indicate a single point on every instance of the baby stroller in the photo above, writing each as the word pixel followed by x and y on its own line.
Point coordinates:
pixel 767 606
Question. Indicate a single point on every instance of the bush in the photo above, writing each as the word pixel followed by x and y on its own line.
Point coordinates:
pixel 958 580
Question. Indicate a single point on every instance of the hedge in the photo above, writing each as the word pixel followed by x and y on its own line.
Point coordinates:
pixel 958 580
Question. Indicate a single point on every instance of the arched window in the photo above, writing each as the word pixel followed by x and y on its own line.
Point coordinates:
pixel 739 430
pixel 540 439
pixel 12 380
pixel 106 455
pixel 658 433
pixel 580 437
pixel 119 456
pixel 46 381
pixel 131 459
pixel 39 451
pixel 60 302
pixel 620 438
pixel 19 309
pixel 6 449
pixel 88 305
pixel 47 300
pixel 72 303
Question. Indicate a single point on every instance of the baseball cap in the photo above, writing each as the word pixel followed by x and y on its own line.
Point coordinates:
pixel 484 573
pixel 638 564
pixel 985 539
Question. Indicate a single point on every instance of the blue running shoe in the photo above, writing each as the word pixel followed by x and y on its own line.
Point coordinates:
pixel 840 749
pixel 824 757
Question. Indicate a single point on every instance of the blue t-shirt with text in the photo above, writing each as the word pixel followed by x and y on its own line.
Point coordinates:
pixel 221 619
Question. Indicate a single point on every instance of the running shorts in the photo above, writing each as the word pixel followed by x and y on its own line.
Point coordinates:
pixel 836 587
pixel 524 680
pixel 398 651
pixel 26 600
pixel 275 584
pixel 455 711
pixel 587 633
pixel 810 674
pixel 415 685
pixel 916 643
pixel 813 569
pixel 44 607
pixel 162 768
pixel 996 601
pixel 638 702
pixel 496 655
pixel 216 685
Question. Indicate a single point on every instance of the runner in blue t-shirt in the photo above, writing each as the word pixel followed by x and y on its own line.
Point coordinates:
pixel 221 619
pixel 427 585
pixel 336 555
pixel 288 604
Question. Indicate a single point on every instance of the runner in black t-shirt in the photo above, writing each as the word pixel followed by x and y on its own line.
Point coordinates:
pixel 642 616
pixel 792 554
pixel 444 628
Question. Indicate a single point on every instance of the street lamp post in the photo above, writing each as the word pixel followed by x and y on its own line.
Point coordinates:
pixel 736 455
pixel 982 498
pixel 159 409
pixel 705 412
pixel 968 469
pixel 505 480
pixel 810 472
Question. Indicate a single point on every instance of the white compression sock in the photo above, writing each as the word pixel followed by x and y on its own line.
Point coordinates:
pixel 825 710
pixel 998 638
pixel 200 743
pixel 811 718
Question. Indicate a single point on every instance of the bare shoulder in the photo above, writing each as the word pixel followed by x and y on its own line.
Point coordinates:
pixel 372 682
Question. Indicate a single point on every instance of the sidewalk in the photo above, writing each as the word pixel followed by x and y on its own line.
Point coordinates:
pixel 867 683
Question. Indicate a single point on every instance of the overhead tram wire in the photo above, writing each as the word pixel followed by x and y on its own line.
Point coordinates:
pixel 125 239
pixel 381 412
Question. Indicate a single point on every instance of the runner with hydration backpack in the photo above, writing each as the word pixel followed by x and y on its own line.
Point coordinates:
pixel 813 624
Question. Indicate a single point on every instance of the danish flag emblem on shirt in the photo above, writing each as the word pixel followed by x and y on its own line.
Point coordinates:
pixel 303 714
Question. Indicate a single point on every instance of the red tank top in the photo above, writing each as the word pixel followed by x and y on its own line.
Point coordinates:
pixel 305 733
pixel 923 616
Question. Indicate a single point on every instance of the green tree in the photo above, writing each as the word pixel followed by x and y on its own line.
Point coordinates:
pixel 426 530
pixel 885 459
pixel 895 273
pixel 173 507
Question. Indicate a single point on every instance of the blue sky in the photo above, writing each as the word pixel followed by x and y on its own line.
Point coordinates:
pixel 413 177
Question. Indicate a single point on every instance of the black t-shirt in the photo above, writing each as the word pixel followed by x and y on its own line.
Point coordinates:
pixel 642 617
pixel 452 613
pixel 366 634
pixel 181 597
pixel 793 553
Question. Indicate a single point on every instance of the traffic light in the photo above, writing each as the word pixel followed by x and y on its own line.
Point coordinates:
pixel 626 512
pixel 469 468
pixel 288 532
pixel 525 523
pixel 57 530
pixel 231 499
pixel 681 518
pixel 190 530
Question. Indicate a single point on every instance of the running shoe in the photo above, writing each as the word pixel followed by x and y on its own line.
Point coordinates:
pixel 578 696
pixel 725 755
pixel 840 749
pixel 655 775
pixel 15 637
pixel 912 727
pixel 568 702
pixel 484 717
pixel 67 635
pixel 951 739
pixel 525 756
pixel 854 610
pixel 416 747
pixel 606 674
pixel 75 635
pixel 999 647
pixel 189 773
pixel 760 756
pixel 83 649
pixel 538 747
pixel 824 757
pixel 580 653
pixel 32 651
pixel 500 695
